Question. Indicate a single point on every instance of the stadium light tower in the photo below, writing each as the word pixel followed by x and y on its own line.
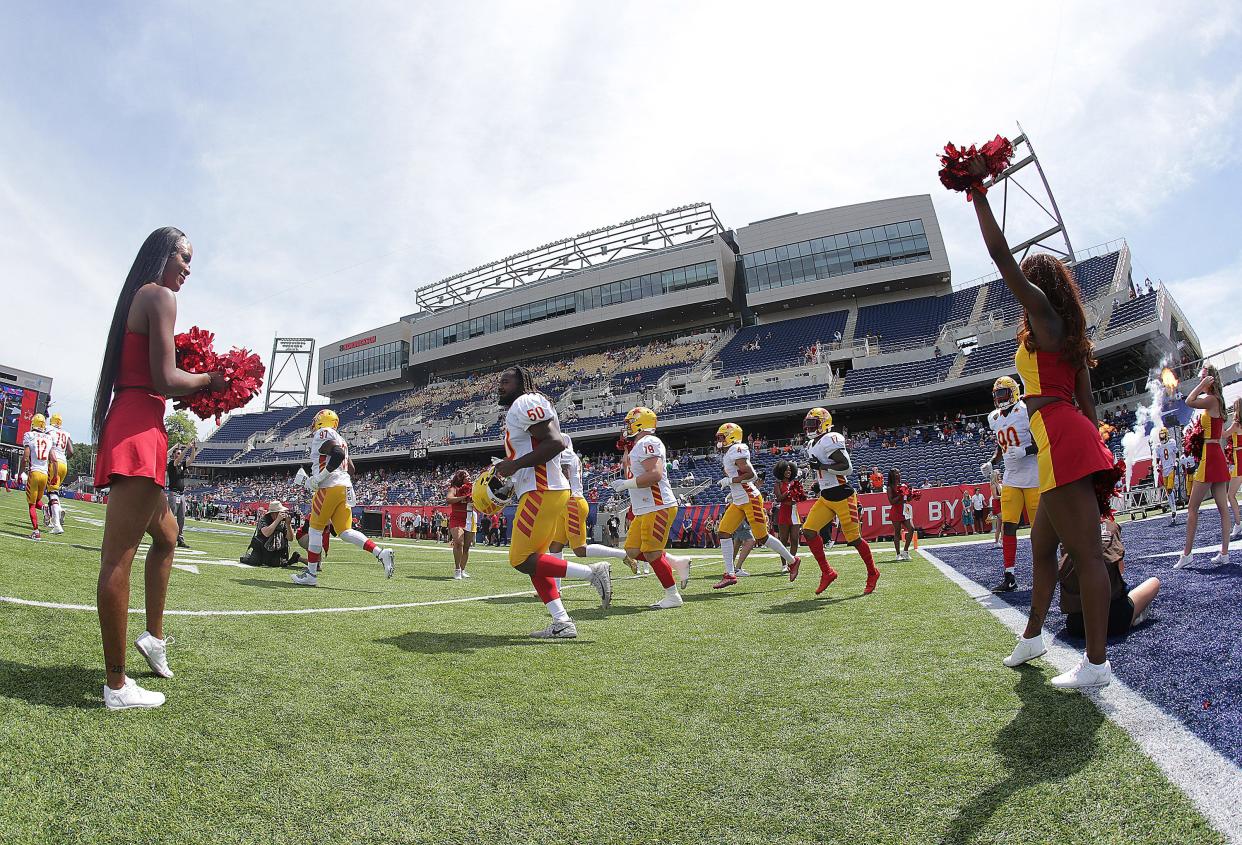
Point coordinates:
pixel 293 390
pixel 1024 155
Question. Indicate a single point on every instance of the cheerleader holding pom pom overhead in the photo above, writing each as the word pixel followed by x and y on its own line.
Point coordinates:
pixel 1053 360
pixel 1212 474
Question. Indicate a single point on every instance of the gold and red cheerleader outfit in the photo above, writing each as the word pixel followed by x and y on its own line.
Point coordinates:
pixel 1070 446
pixel 788 494
pixel 133 442
pixel 1212 468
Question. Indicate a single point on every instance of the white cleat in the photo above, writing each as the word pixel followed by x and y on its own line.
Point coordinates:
pixel 305 578
pixel 35 535
pixel 1026 650
pixel 131 696
pixel 56 529
pixel 1086 675
pixel 681 565
pixel 1183 562
pixel 566 630
pixel 1221 558
pixel 456 574
pixel 388 560
pixel 741 573
pixel 601 580
pixel 156 652
pixel 669 602
pixel 465 574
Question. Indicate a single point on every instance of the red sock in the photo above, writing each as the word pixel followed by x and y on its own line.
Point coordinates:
pixel 545 586
pixel 327 535
pixel 551 566
pixel 663 570
pixel 1009 550
pixel 312 557
pixel 816 544
pixel 369 546
pixel 864 551
pixel 34 518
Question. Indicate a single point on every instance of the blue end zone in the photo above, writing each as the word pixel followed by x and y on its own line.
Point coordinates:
pixel 1186 658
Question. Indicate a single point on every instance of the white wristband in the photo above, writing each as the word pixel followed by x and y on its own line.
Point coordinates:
pixel 631 484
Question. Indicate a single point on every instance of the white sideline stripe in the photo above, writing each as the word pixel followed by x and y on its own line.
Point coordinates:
pixel 303 611
pixel 1211 781
pixel 188 567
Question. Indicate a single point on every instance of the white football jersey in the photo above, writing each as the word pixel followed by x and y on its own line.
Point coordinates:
pixel 822 450
pixel 339 477
pixel 1013 435
pixel 60 442
pixel 740 493
pixel 572 468
pixel 528 410
pixel 647 499
pixel 1165 455
pixel 40 445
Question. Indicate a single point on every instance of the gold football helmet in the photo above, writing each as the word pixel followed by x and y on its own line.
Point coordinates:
pixel 727 435
pixel 638 421
pixel 1005 393
pixel 326 418
pixel 817 421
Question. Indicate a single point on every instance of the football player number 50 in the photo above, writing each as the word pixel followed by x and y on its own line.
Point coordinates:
pixel 535 413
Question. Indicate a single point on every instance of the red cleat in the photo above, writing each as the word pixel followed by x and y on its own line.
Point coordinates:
pixel 727 581
pixel 825 579
pixel 793 568
pixel 872 579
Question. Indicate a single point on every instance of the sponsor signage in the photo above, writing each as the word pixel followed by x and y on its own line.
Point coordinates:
pixel 354 344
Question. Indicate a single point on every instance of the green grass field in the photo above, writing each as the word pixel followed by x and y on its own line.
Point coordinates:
pixel 758 714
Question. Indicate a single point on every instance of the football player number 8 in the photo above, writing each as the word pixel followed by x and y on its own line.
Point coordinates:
pixel 1007 437
pixel 535 413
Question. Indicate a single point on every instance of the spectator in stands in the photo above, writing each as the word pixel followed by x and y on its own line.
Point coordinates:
pixel 614 528
pixel 877 480
pixel 864 481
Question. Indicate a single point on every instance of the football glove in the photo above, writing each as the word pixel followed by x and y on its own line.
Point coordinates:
pixel 724 482
pixel 986 469
pixel 620 484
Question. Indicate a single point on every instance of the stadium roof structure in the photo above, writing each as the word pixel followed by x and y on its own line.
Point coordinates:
pixel 650 233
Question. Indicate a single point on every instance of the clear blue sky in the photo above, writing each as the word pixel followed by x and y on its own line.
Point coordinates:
pixel 325 158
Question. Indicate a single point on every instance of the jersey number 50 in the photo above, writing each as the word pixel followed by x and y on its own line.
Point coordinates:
pixel 535 413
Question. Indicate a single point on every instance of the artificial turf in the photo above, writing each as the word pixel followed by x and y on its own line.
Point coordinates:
pixel 755 714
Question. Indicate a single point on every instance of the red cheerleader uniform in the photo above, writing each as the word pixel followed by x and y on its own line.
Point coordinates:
pixel 133 442
pixel 1212 468
pixel 788 494
pixel 457 510
pixel 1070 447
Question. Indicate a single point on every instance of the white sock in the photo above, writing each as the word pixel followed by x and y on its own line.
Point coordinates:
pixel 670 590
pixel 359 539
pixel 577 570
pixel 774 543
pixel 726 549
pixel 558 611
pixel 596 550
pixel 558 555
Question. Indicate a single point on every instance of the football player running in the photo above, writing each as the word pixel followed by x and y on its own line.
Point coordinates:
pixel 332 497
pixel 645 478
pixel 1011 424
pixel 57 468
pixel 1165 454
pixel 830 461
pixel 573 534
pixel 745 503
pixel 37 445
pixel 533 444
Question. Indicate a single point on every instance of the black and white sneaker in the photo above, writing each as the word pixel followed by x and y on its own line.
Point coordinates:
pixel 1007 585
pixel 566 630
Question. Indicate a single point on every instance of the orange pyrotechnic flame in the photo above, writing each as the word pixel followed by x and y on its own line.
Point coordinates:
pixel 1168 379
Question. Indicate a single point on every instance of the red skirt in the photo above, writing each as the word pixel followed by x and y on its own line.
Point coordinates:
pixel 785 514
pixel 133 442
pixel 1070 447
pixel 1212 468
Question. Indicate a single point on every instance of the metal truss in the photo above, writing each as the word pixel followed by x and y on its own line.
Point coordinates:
pixel 686 224
pixel 1025 156
pixel 294 389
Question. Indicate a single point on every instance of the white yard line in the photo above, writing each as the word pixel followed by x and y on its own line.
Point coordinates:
pixel 1211 781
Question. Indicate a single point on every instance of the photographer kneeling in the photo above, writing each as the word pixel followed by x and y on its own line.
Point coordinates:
pixel 273 534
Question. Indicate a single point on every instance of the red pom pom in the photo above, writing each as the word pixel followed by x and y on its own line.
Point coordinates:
pixel 954 163
pixel 242 369
pixel 1105 482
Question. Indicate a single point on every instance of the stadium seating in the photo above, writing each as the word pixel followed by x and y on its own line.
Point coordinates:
pixel 897 376
pixel 1134 312
pixel 994 356
pixel 781 344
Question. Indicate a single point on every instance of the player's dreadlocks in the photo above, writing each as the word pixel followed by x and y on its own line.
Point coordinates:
pixel 524 376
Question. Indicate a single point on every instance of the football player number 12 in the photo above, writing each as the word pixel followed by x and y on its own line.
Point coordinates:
pixel 41 449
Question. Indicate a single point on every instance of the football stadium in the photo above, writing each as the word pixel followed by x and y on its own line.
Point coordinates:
pixel 679 529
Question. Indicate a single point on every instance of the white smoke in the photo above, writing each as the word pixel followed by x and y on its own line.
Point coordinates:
pixel 1136 443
